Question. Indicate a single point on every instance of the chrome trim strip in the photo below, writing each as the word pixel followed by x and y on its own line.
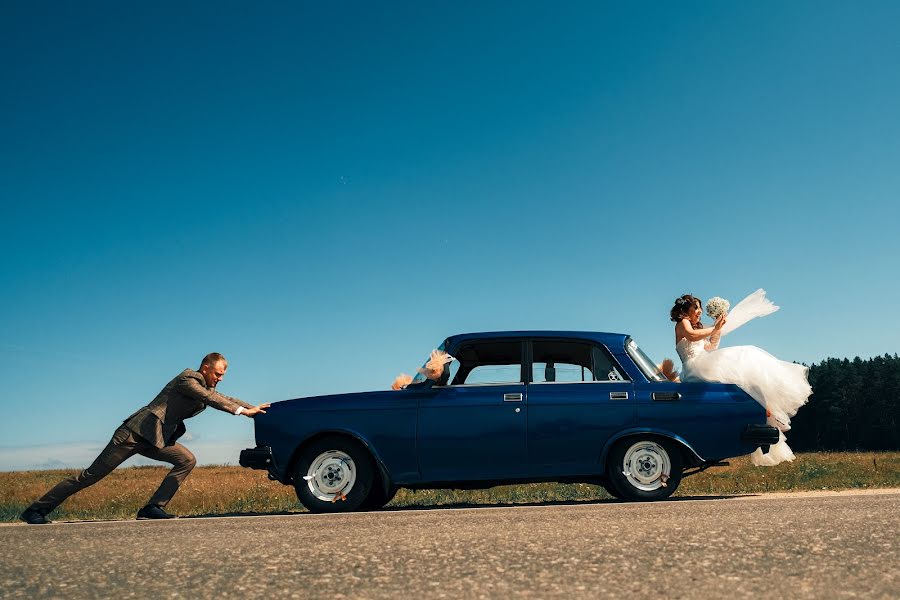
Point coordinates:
pixel 579 382
pixel 460 385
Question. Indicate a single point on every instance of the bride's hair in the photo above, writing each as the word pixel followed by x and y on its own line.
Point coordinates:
pixel 682 305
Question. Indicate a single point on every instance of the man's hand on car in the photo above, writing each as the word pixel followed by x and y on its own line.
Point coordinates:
pixel 261 409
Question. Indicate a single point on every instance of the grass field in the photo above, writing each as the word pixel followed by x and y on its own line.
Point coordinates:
pixel 220 490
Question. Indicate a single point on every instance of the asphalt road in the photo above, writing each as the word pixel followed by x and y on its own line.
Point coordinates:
pixel 772 546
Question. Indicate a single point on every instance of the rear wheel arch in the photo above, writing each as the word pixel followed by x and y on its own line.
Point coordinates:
pixel 689 456
pixel 382 476
pixel 644 467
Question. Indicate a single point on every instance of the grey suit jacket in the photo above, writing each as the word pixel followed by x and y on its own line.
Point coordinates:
pixel 162 421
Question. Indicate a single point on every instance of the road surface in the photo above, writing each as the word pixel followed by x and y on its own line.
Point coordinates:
pixel 811 545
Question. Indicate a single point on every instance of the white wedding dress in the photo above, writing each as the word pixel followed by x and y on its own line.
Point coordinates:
pixel 779 386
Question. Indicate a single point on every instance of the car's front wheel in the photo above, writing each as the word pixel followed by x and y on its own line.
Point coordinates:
pixel 611 490
pixel 645 468
pixel 333 475
pixel 378 497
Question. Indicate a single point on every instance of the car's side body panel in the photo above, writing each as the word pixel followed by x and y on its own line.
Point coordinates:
pixel 709 416
pixel 429 435
pixel 384 421
pixel 472 432
pixel 565 421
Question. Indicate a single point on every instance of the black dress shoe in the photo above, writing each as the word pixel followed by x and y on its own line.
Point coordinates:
pixel 34 517
pixel 152 511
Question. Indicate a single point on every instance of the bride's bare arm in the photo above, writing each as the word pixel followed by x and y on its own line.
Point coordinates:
pixel 695 335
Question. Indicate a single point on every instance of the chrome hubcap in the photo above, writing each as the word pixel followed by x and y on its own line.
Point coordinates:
pixel 647 466
pixel 331 474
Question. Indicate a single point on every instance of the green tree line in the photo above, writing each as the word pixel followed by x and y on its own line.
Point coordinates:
pixel 855 406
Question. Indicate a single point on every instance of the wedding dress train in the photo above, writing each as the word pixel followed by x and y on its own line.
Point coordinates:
pixel 779 386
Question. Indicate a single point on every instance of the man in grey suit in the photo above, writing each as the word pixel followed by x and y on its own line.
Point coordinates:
pixel 152 432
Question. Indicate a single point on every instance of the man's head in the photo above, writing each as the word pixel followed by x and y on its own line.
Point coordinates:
pixel 213 368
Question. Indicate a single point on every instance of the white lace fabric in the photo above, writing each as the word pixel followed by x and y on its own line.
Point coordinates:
pixel 688 350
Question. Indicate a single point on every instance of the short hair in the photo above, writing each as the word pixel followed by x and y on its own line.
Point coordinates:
pixel 212 358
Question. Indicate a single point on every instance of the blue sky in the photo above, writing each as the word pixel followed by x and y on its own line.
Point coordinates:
pixel 323 191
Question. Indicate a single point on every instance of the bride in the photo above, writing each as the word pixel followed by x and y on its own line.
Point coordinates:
pixel 780 387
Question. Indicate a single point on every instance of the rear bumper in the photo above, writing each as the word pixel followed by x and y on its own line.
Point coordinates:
pixel 760 435
pixel 257 458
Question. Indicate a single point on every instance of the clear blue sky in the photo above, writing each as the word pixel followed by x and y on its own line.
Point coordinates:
pixel 323 191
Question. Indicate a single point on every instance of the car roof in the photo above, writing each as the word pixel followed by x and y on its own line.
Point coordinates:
pixel 611 340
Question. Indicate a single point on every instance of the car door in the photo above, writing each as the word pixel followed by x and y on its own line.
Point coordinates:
pixel 578 396
pixel 474 427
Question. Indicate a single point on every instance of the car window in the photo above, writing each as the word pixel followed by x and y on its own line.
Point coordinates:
pixel 488 362
pixel 495 374
pixel 605 367
pixel 454 369
pixel 560 361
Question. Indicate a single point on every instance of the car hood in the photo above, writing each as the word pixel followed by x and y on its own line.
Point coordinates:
pixel 379 399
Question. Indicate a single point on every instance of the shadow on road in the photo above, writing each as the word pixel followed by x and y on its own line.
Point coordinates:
pixel 467 505
pixel 281 513
pixel 471 505
pixel 416 507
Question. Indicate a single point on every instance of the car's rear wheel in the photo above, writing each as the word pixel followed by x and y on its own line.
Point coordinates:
pixel 645 469
pixel 333 475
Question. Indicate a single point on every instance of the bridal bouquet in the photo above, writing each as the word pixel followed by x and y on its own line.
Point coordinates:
pixel 715 307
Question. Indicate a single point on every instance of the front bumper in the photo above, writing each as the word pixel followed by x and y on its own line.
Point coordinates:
pixel 760 435
pixel 257 458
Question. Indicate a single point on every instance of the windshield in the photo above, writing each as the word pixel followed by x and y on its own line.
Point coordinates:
pixel 420 378
pixel 647 366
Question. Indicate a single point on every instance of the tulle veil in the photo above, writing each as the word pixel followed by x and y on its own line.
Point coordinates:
pixel 753 306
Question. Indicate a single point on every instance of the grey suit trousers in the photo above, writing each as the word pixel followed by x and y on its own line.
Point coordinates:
pixel 124 444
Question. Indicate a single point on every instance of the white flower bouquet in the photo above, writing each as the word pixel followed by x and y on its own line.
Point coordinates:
pixel 716 307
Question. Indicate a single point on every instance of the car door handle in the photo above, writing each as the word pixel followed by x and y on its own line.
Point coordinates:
pixel 666 396
pixel 618 395
pixel 512 397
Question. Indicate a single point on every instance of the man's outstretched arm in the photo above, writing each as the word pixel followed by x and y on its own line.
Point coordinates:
pixel 193 389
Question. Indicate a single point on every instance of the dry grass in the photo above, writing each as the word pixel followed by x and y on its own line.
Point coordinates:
pixel 233 490
pixel 208 490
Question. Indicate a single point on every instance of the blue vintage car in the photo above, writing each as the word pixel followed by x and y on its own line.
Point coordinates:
pixel 513 407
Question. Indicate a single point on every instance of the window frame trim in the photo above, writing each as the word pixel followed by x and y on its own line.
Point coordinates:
pixel 522 358
pixel 587 342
